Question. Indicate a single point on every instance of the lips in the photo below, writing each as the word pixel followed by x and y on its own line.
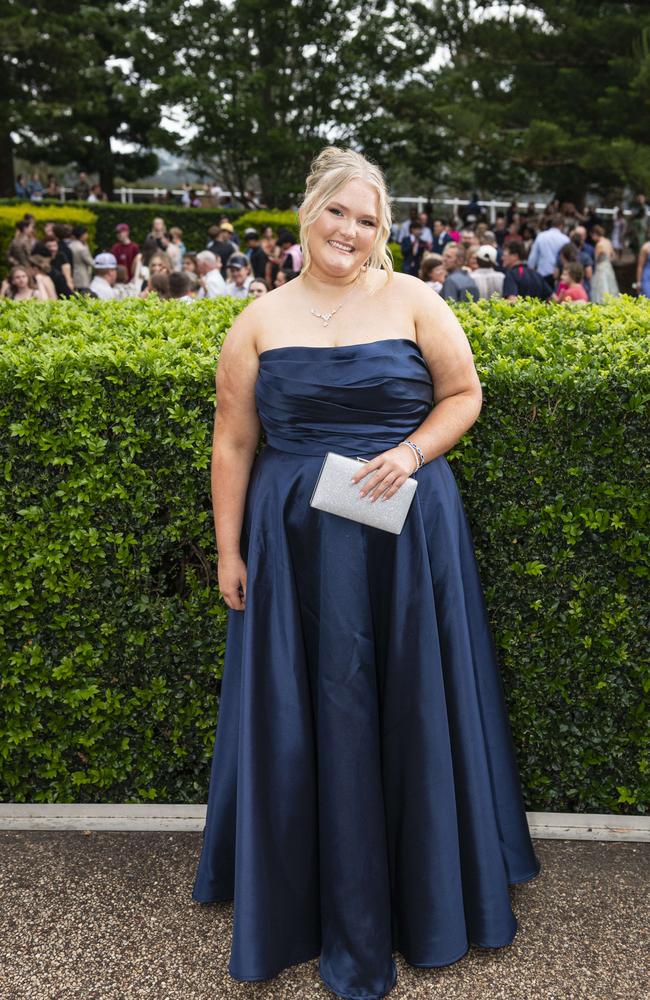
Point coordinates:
pixel 342 247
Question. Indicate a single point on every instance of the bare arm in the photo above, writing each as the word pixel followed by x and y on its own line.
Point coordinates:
pixel 236 436
pixel 136 268
pixel 66 271
pixel 643 256
pixel 458 397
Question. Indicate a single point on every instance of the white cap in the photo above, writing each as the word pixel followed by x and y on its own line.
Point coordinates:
pixel 103 261
pixel 487 253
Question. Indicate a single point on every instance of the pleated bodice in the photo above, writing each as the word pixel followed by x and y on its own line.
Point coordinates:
pixel 353 399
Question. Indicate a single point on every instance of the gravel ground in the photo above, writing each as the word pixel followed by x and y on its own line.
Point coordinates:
pixel 109 916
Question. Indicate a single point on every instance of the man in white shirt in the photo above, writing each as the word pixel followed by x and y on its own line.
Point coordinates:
pixel 545 248
pixel 488 281
pixel 209 267
pixel 240 270
pixel 105 267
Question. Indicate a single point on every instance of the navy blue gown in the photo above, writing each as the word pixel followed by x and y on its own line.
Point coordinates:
pixel 364 795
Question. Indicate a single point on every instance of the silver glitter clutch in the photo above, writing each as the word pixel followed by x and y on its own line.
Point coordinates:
pixel 335 494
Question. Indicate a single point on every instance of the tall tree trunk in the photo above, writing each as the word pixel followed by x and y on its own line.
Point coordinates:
pixel 107 168
pixel 7 176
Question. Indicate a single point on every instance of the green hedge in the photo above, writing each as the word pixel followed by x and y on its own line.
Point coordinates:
pixel 112 629
pixel 194 222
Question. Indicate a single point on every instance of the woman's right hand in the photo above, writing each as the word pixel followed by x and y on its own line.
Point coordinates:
pixel 232 581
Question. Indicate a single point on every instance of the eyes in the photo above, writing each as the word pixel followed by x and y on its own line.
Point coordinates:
pixel 367 222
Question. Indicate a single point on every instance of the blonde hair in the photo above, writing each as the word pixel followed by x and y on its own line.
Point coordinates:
pixel 330 171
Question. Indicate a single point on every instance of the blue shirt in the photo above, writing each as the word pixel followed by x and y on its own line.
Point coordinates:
pixel 545 249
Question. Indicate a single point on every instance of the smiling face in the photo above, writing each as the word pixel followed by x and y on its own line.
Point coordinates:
pixel 239 275
pixel 342 237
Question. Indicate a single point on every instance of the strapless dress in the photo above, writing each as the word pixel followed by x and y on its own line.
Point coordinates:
pixel 364 795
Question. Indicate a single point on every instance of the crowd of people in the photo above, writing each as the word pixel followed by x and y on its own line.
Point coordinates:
pixel 558 256
pixel 60 263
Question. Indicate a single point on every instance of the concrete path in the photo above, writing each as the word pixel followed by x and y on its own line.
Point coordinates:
pixel 109 916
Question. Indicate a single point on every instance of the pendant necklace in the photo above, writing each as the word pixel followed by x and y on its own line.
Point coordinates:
pixel 327 316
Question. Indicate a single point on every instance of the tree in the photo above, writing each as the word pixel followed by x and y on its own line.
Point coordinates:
pixel 266 86
pixel 73 86
pixel 554 93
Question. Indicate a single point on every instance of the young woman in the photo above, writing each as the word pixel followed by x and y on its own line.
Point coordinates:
pixel 364 795
pixel 643 271
pixel 604 279
pixel 21 285
pixel 159 263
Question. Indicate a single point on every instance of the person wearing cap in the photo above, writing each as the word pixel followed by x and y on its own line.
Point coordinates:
pixel 221 245
pixel 126 252
pixel 239 267
pixel 82 261
pixel 255 253
pixel 225 223
pixel 488 281
pixel 208 266
pixel 105 266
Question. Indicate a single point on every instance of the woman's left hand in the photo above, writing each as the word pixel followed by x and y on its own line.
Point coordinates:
pixel 387 472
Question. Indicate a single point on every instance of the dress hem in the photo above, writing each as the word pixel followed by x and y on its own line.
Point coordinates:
pixel 415 965
pixel 363 996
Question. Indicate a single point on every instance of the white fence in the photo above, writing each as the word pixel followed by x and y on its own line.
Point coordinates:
pixel 126 195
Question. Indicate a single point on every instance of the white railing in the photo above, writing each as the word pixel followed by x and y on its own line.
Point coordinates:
pixel 492 206
pixel 126 196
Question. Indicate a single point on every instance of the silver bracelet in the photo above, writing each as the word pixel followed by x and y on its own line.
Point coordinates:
pixel 414 450
pixel 419 452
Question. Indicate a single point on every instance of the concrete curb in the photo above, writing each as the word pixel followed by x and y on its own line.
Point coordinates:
pixel 191 818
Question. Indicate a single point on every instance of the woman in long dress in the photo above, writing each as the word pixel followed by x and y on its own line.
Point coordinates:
pixel 364 795
pixel 604 279
pixel 643 271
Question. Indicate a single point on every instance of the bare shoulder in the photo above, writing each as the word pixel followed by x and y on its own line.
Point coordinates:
pixel 241 338
pixel 238 364
pixel 429 311
pixel 440 337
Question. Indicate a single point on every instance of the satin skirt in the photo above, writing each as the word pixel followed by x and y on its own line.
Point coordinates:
pixel 364 794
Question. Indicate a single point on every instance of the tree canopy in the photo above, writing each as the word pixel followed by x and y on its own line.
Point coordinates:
pixel 449 95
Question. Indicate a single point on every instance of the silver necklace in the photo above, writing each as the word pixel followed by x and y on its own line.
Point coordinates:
pixel 327 316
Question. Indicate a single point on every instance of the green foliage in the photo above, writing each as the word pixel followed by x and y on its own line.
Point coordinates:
pixel 10 214
pixel 554 478
pixel 77 116
pixel 286 77
pixel 555 95
pixel 398 256
pixel 268 217
pixel 112 629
